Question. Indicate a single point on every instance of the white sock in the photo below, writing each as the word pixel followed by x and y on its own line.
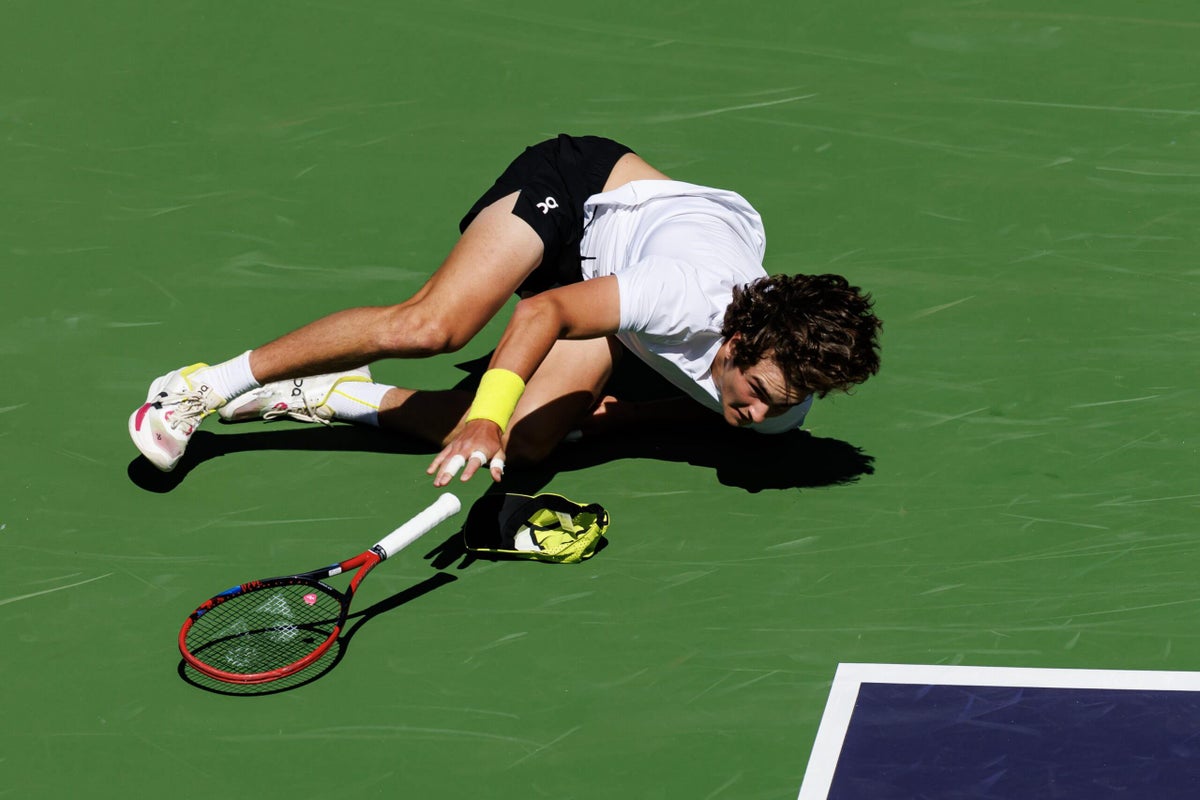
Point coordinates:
pixel 230 378
pixel 357 401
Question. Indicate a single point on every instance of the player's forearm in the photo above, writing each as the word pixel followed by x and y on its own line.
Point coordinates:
pixel 530 334
pixel 586 310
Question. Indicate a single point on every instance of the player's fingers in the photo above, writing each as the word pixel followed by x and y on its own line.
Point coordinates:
pixel 449 469
pixel 437 461
pixel 477 459
pixel 496 465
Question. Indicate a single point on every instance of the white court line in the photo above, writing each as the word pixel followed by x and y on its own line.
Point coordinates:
pixel 827 748
pixel 8 600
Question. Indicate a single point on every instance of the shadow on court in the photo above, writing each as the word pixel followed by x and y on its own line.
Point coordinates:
pixel 324 665
pixel 740 459
pixel 205 446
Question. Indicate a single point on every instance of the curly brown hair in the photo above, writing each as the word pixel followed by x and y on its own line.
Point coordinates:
pixel 818 328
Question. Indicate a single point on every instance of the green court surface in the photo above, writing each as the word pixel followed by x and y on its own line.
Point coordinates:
pixel 1018 184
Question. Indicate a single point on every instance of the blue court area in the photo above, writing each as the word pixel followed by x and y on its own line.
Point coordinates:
pixel 1068 735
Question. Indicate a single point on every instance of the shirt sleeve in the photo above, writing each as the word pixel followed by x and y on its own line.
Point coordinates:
pixel 670 300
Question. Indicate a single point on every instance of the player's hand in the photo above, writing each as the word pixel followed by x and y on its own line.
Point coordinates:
pixel 477 445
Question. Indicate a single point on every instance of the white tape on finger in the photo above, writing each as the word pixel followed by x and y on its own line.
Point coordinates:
pixel 452 466
pixel 480 455
pixel 497 463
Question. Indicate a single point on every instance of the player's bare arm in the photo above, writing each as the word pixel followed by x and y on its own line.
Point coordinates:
pixel 586 310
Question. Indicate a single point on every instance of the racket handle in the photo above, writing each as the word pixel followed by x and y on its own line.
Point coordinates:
pixel 442 509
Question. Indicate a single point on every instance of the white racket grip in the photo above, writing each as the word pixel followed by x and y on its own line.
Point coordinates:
pixel 442 509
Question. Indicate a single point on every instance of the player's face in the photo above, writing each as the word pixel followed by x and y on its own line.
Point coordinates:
pixel 754 393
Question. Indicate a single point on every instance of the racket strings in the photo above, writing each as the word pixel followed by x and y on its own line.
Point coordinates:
pixel 266 629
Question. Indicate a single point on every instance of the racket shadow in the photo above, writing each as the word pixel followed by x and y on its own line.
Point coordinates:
pixel 329 661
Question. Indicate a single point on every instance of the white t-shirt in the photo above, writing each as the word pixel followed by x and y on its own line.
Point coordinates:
pixel 677 250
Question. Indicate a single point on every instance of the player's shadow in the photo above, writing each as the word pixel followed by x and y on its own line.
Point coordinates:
pixel 206 446
pixel 740 459
pixel 328 661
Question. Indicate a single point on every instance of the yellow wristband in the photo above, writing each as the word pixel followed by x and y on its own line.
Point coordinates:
pixel 496 399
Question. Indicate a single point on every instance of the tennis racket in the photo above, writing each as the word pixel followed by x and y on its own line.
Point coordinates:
pixel 265 630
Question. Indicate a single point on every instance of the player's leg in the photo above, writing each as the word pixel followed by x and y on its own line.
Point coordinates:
pixel 495 254
pixel 557 397
pixel 521 235
pixel 506 240
pixel 631 167
pixel 561 393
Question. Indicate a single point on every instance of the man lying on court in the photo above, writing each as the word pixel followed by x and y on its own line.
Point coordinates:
pixel 610 257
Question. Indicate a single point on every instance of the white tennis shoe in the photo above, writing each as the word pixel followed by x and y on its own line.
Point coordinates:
pixel 174 407
pixel 301 399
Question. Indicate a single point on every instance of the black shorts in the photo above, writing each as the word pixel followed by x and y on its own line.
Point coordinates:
pixel 554 179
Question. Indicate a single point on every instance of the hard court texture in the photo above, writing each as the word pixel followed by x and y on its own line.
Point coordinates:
pixel 1016 182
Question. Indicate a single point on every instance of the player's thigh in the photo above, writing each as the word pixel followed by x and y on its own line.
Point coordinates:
pixel 495 253
pixel 631 167
pixel 564 388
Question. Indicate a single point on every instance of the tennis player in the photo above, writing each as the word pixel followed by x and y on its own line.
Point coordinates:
pixel 609 257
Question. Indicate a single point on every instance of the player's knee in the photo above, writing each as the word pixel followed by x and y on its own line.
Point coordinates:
pixel 414 331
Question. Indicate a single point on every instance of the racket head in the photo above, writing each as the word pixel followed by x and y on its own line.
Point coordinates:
pixel 263 630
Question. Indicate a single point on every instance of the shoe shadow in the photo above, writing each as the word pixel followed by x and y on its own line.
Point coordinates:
pixel 206 446
pixel 324 665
